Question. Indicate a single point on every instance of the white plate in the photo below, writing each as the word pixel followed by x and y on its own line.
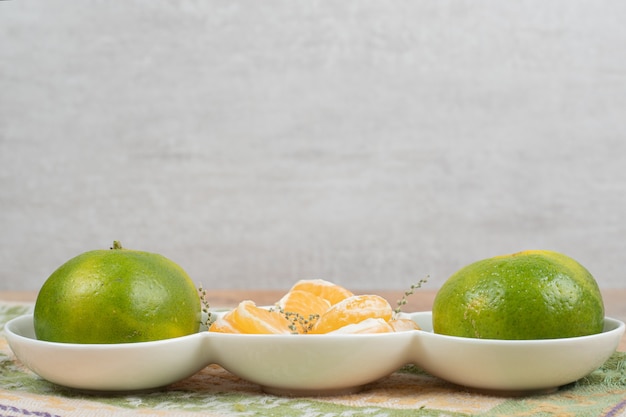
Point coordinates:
pixel 316 364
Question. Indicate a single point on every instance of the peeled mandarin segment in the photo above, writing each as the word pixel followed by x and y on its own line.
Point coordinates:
pixel 223 325
pixel 367 326
pixel 332 292
pixel 248 318
pixel 353 310
pixel 303 303
pixel 402 325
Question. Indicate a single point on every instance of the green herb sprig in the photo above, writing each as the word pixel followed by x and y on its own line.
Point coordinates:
pixel 299 324
pixel 402 302
pixel 205 306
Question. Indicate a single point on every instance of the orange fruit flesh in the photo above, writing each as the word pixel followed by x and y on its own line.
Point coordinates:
pixel 367 326
pixel 353 310
pixel 403 325
pixel 332 292
pixel 304 303
pixel 249 318
pixel 222 325
pixel 315 307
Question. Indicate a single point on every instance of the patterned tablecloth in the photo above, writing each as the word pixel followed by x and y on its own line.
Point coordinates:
pixel 215 392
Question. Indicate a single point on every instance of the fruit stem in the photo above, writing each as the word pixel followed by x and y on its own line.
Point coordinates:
pixel 117 244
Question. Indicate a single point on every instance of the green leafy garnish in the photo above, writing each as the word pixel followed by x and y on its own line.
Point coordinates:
pixel 299 324
pixel 402 302
pixel 205 306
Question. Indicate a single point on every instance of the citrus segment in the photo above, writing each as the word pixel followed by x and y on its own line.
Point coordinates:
pixel 249 318
pixel 332 292
pixel 533 294
pixel 307 309
pixel 221 325
pixel 367 326
pixel 352 310
pixel 303 303
pixel 402 325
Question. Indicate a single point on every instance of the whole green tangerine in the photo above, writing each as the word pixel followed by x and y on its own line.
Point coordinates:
pixel 117 296
pixel 534 294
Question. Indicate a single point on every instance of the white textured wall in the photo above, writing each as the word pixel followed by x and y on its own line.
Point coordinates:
pixel 255 143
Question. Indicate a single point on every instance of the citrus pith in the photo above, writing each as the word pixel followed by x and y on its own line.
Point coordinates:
pixel 535 294
pixel 117 296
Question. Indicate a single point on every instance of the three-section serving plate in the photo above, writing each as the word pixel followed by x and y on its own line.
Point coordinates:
pixel 317 364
